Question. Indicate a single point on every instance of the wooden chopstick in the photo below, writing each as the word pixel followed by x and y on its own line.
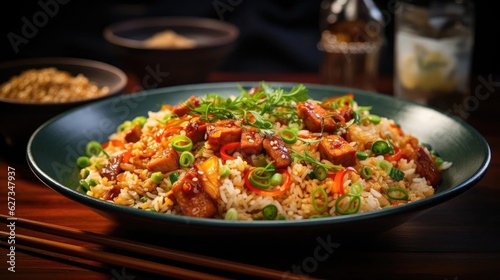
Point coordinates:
pixel 110 258
pixel 156 251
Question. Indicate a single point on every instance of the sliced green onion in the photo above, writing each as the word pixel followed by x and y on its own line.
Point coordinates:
pixel 231 214
pixel 261 174
pixel 93 148
pixel 361 155
pixel 281 217
pixel 396 174
pixel 140 120
pixel 439 161
pixel 323 195
pixel 181 143
pixel 174 176
pixel 86 173
pixel 186 159
pixel 397 193
pixel 320 173
pixel 270 212
pixel 352 207
pixel 276 179
pixel 356 189
pixel 157 177
pixel 92 183
pixel 261 184
pixel 224 171
pixel 374 119
pixel 85 185
pixel 366 172
pixel 381 147
pixel 124 125
pixel 384 165
pixel 83 162
pixel 355 117
pixel 289 136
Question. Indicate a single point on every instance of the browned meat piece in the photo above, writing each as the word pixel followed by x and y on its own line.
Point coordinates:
pixel 345 113
pixel 337 150
pixel 186 107
pixel 191 197
pixel 164 161
pixel 251 141
pixel 427 168
pixel 134 134
pixel 223 132
pixel 277 151
pixel 112 193
pixel 112 168
pixel 196 129
pixel 313 115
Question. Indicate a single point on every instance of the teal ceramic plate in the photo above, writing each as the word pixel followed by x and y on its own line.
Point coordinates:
pixel 54 147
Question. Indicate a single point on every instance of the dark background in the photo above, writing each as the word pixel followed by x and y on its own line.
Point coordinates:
pixel 276 36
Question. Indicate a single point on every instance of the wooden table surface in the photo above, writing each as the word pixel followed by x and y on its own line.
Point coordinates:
pixel 459 239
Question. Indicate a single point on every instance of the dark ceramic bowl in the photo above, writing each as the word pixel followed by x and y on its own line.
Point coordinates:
pixel 54 147
pixel 21 118
pixel 157 67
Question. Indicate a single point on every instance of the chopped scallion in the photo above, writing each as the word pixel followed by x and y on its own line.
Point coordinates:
pixel 397 193
pixel 270 212
pixel 83 162
pixel 366 172
pixel 157 177
pixel 396 174
pixel 181 143
pixel 231 214
pixel 361 155
pixel 186 159
pixel 93 148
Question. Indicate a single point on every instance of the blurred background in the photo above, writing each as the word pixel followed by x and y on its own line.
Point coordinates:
pixel 276 36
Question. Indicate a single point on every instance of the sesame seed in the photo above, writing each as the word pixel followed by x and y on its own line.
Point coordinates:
pixel 195 179
pixel 251 140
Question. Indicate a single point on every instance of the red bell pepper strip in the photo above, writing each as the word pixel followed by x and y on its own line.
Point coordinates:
pixel 397 128
pixel 127 155
pixel 286 182
pixel 228 147
pixel 338 180
pixel 395 157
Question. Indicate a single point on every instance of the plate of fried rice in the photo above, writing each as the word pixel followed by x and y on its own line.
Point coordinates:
pixel 248 157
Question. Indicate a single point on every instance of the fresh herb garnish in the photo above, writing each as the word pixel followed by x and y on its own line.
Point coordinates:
pixel 261 109
pixel 307 157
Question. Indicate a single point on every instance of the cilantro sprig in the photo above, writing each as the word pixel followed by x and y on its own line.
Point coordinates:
pixel 308 158
pixel 260 109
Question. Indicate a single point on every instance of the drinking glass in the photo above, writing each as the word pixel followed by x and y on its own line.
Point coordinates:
pixel 433 51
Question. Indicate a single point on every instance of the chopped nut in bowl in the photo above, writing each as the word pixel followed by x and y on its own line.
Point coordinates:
pixel 34 90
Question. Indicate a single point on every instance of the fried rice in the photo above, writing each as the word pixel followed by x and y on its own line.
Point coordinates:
pixel 143 166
